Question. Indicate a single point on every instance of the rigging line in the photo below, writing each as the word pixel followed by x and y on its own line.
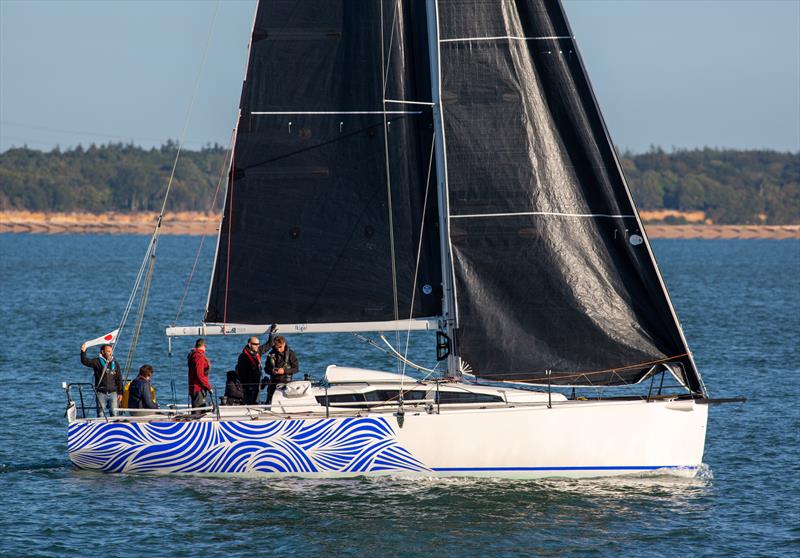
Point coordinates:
pixel 151 253
pixel 136 283
pixel 391 41
pixel 191 106
pixel 545 213
pixel 234 133
pixel 228 250
pixel 132 296
pixel 419 252
pixel 404 360
pixel 607 371
pixel 390 209
pixel 372 343
pixel 137 328
pixel 205 234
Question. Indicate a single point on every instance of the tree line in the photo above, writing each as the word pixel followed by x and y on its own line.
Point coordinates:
pixel 730 186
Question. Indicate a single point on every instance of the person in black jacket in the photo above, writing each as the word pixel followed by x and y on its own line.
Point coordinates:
pixel 248 367
pixel 281 364
pixel 107 379
pixel 140 396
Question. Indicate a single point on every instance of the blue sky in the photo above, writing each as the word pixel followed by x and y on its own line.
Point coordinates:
pixel 672 73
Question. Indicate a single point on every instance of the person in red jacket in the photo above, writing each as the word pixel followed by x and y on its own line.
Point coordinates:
pixel 199 365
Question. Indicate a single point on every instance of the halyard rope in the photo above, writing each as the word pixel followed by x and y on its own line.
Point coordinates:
pixel 416 265
pixel 389 179
pixel 222 172
pixel 596 372
pixel 150 255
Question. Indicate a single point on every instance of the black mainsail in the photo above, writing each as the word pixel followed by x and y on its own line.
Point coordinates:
pixel 548 274
pixel 554 278
pixel 310 232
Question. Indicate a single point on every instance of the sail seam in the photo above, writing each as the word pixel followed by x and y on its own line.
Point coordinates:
pixel 544 213
pixel 504 37
pixel 401 102
pixel 332 112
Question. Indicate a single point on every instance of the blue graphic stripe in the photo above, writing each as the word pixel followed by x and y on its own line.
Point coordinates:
pixel 352 444
pixel 587 468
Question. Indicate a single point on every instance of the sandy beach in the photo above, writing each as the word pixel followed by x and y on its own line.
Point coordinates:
pixel 191 223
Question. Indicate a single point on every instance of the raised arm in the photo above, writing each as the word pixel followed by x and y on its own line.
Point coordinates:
pixel 86 361
pixel 273 329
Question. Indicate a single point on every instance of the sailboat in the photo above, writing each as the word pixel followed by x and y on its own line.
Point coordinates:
pixel 440 166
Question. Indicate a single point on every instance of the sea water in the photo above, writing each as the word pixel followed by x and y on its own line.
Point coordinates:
pixel 739 303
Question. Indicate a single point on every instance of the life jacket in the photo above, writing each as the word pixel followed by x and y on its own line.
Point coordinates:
pixel 126 392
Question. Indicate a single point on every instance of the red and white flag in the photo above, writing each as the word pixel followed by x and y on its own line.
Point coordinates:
pixel 107 338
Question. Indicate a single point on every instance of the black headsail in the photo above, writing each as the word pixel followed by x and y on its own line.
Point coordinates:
pixel 554 278
pixel 306 233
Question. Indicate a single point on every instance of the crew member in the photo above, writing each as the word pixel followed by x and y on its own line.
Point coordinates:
pixel 140 392
pixel 248 368
pixel 107 379
pixel 199 365
pixel 281 363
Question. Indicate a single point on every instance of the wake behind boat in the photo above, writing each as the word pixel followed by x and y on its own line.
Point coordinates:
pixel 434 166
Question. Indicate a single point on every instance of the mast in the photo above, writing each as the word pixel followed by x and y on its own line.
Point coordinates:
pixel 449 313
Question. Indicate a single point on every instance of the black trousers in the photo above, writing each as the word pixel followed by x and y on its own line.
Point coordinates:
pixel 250 394
pixel 199 400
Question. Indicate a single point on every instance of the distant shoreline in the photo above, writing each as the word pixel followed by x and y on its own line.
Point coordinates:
pixel 191 223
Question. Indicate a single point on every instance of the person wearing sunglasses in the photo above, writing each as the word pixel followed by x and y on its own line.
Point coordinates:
pixel 248 367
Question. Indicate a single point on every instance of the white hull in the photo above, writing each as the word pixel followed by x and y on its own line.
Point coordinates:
pixel 571 439
pixel 575 439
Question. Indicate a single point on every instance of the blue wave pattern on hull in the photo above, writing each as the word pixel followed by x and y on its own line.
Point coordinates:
pixel 344 445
